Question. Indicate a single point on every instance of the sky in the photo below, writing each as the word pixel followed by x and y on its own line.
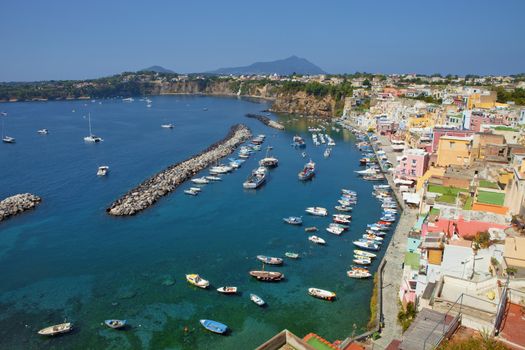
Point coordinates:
pixel 70 39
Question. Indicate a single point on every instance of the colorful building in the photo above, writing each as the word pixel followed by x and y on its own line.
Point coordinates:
pixel 454 150
pixel 412 164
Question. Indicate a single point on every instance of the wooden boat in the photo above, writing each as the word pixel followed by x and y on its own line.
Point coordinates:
pixel 291 255
pixel 196 280
pixel 257 299
pixel 311 229
pixel 227 290
pixel 214 326
pixel 317 240
pixel 321 294
pixel 270 260
pixel 56 329
pixel 116 324
pixel 267 276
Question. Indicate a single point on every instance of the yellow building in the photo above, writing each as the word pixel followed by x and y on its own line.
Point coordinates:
pixel 454 150
pixel 478 100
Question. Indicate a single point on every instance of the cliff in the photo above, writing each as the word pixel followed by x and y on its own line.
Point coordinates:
pixel 305 104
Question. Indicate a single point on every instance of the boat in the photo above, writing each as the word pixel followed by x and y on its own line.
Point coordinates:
pixel 270 260
pixel 349 192
pixel 308 171
pixel 335 230
pixel 200 180
pixel 227 290
pixel 298 142
pixel 340 220
pixel 268 276
pixel 293 220
pixel 311 229
pixel 374 177
pixel 43 131
pixel 256 178
pixel 327 152
pixel 317 240
pixel 167 126
pixel 270 162
pixel 257 299
pixel 92 138
pixel 361 260
pixel 369 171
pixel 214 326
pixel 196 280
pixel 191 192
pixel 213 178
pixel 291 255
pixel 321 294
pixel 8 139
pixel 116 324
pixel 343 208
pixel 344 227
pixel 128 99
pixel 317 211
pixel 102 170
pixel 369 245
pixel 358 273
pixel 57 329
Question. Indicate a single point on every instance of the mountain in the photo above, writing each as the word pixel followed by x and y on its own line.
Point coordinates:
pixel 287 66
pixel 157 69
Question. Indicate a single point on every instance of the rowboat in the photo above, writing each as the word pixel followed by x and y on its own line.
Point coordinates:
pixel 267 276
pixel 196 280
pixel 214 326
pixel 116 324
pixel 56 329
pixel 321 294
pixel 291 255
pixel 257 299
pixel 270 260
pixel 227 290
pixel 317 240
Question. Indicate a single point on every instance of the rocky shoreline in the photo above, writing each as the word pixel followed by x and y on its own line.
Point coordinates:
pixel 266 121
pixel 17 204
pixel 166 181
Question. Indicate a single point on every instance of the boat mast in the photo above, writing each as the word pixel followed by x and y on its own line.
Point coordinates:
pixel 89 122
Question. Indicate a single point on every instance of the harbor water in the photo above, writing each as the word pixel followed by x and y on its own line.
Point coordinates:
pixel 69 260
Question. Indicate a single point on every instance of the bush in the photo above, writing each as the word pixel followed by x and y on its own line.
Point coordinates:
pixel 405 317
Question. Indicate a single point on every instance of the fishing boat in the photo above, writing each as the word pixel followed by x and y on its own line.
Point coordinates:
pixel 335 230
pixel 298 142
pixel 116 324
pixel 361 260
pixel 267 276
pixel 57 329
pixel 92 137
pixel 366 245
pixel 270 260
pixel 213 178
pixel 214 326
pixel 191 192
pixel 268 161
pixel 256 178
pixel 293 220
pixel 311 229
pixel 317 240
pixel 343 208
pixel 167 126
pixel 102 170
pixel 321 294
pixel 196 280
pixel 291 255
pixel 200 181
pixel 43 131
pixel 227 290
pixel 317 211
pixel 358 273
pixel 308 171
pixel 257 299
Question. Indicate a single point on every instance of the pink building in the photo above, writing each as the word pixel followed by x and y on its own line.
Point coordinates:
pixel 477 119
pixel 412 164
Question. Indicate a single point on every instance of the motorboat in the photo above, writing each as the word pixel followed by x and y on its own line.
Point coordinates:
pixel 327 152
pixel 191 192
pixel 227 290
pixel 343 208
pixel 197 280
pixel 8 139
pixel 167 126
pixel 268 161
pixel 291 255
pixel 364 253
pixel 335 230
pixel 213 178
pixel 256 178
pixel 293 220
pixel 220 169
pixel 116 324
pixel 56 329
pixel 317 211
pixel 128 99
pixel 235 163
pixel 311 229
pixel 361 260
pixel 369 245
pixel 196 189
pixel 43 131
pixel 342 226
pixel 257 299
pixel 348 192
pixel 368 171
pixel 267 276
pixel 308 171
pixel 102 170
pixel 317 240
pixel 374 177
pixel 359 273
pixel 371 237
pixel 270 260
pixel 298 142
pixel 200 181
pixel 214 326
pixel 345 203
pixel 321 294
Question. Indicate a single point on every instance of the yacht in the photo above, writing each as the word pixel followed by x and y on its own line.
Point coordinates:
pixel 308 171
pixel 92 138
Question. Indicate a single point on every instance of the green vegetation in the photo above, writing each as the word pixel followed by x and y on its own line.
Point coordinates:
pixel 412 260
pixel 494 198
pixel 317 89
pixel 434 211
pixel 427 99
pixel 517 95
pixel 505 128
pixel 407 316
pixel 468 203
pixel 448 194
pixel 372 322
pixel 488 184
pixel 481 240
pixel 317 344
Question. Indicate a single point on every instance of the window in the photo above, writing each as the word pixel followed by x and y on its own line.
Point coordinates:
pixel 451 144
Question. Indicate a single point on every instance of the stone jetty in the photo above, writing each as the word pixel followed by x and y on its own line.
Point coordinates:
pixel 17 204
pixel 166 181
pixel 266 121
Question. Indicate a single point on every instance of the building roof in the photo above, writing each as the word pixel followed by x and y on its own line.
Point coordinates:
pixel 515 248
pixel 425 328
pixel 285 340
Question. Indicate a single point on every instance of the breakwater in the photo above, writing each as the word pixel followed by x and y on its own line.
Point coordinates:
pixel 166 181
pixel 266 121
pixel 17 204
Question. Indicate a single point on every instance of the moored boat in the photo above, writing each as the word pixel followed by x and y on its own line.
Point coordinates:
pixel 270 260
pixel 267 276
pixel 317 211
pixel 308 171
pixel 311 229
pixel 291 255
pixel 343 208
pixel 361 260
pixel 293 220
pixel 200 180
pixel 214 326
pixel 358 273
pixel 298 142
pixel 257 299
pixel 317 240
pixel 369 245
pixel 116 324
pixel 213 178
pixel 197 280
pixel 227 290
pixel 56 329
pixel 256 178
pixel 321 294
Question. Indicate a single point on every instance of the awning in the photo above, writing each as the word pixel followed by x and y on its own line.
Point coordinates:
pixel 403 182
pixel 411 198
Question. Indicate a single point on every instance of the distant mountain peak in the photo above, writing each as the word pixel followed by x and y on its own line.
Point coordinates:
pixel 157 69
pixel 286 66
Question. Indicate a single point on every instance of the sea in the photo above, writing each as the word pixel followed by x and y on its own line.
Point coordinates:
pixel 68 260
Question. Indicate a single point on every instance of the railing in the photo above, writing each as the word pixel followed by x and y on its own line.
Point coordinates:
pixel 447 330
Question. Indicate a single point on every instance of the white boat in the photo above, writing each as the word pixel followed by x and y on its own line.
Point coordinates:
pixel 358 273
pixel 335 230
pixel 269 161
pixel 213 178
pixel 196 280
pixel 128 99
pixel 200 181
pixel 317 240
pixel 196 189
pixel 43 131
pixel 364 253
pixel 8 139
pixel 227 290
pixel 102 170
pixel 167 126
pixel 220 169
pixel 92 138
pixel 256 179
pixel 317 211
pixel 366 244
pixel 56 329
pixel 191 192
pixel 369 171
pixel 321 294
pixel 361 260
pixel 257 299
pixel 343 208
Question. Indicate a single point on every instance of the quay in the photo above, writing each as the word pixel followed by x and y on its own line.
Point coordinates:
pixel 17 204
pixel 265 120
pixel 166 181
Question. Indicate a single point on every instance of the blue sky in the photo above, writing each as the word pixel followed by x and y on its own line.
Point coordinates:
pixel 85 39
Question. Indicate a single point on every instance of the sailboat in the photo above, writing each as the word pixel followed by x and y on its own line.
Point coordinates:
pixel 91 137
pixel 5 138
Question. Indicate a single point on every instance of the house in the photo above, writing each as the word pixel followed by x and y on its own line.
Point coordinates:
pixel 412 164
pixel 454 150
pixel 515 190
pixel 514 252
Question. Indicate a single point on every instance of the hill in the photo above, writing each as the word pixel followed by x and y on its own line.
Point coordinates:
pixel 157 69
pixel 287 66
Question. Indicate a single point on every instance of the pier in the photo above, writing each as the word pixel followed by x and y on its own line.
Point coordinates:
pixel 17 204
pixel 166 181
pixel 266 121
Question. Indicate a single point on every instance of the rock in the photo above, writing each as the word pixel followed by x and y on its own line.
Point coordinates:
pixel 17 204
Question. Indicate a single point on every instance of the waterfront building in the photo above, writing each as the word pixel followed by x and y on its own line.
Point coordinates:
pixel 454 150
pixel 412 164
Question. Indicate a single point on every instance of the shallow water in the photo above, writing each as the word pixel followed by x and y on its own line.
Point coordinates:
pixel 69 260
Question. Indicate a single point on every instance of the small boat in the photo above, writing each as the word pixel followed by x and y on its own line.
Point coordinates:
pixel 8 139
pixel 115 324
pixel 43 131
pixel 270 260
pixel 257 299
pixel 196 280
pixel 270 162
pixel 196 189
pixel 220 169
pixel 373 237
pixel 298 142
pixel 311 229
pixel 291 255
pixel 128 99
pixel 227 290
pixel 214 326
pixel 167 126
pixel 361 260
pixel 293 220
pixel 102 170
pixel 213 178
pixel 308 171
pixel 256 178
pixel 92 137
pixel 303 154
pixel 369 245
pixel 343 208
pixel 200 181
pixel 321 294
pixel 327 152
pixel 335 230
pixel 317 240
pixel 358 273
pixel 340 220
pixel 341 226
pixel 317 211
pixel 268 276
pixel 56 329
pixel 191 192
pixel 343 216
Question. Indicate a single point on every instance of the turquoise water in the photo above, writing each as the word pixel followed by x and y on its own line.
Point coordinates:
pixel 69 260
